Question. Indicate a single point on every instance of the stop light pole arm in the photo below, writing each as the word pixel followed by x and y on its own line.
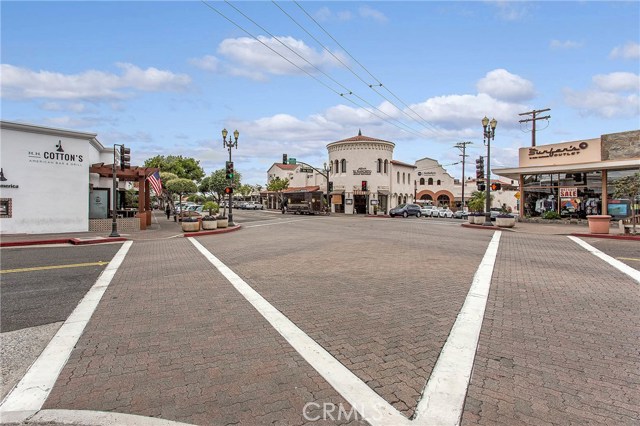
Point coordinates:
pixel 326 176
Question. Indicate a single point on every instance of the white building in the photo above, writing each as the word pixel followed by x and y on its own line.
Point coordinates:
pixel 56 181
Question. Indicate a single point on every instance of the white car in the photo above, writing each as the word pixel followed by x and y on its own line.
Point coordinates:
pixel 445 212
pixel 435 212
pixel 426 210
pixel 252 206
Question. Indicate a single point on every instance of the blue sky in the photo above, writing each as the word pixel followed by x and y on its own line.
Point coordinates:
pixel 166 77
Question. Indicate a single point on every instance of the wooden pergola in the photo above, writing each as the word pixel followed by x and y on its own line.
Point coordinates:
pixel 132 174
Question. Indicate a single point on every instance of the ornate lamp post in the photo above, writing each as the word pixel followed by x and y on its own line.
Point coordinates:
pixel 489 134
pixel 230 144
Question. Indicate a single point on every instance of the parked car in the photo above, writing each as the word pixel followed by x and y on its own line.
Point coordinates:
pixel 435 212
pixel 406 210
pixel 426 210
pixel 459 214
pixel 495 211
pixel 445 212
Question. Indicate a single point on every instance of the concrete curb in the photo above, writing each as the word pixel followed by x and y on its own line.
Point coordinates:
pixel 486 228
pixel 212 232
pixel 74 241
pixel 88 418
pixel 608 236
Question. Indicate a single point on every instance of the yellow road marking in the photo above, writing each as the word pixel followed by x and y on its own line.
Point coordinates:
pixel 629 258
pixel 42 268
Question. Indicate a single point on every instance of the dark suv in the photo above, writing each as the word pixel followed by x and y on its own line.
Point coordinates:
pixel 405 210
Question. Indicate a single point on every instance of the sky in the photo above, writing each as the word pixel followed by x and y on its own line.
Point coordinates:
pixel 165 78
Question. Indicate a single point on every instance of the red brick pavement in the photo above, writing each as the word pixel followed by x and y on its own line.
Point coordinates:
pixel 173 339
pixel 559 342
pixel 380 295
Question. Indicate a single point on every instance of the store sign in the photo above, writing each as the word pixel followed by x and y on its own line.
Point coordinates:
pixel 362 171
pixel 4 179
pixel 568 192
pixel 57 156
pixel 561 153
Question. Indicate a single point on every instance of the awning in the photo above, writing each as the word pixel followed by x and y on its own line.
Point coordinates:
pixel 336 199
pixel 337 192
pixel 514 173
pixel 360 192
pixel 383 192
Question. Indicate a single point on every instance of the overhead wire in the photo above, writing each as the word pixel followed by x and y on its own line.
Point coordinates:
pixel 349 68
pixel 379 83
pixel 407 128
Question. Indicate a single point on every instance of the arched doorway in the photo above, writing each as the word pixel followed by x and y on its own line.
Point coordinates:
pixel 444 200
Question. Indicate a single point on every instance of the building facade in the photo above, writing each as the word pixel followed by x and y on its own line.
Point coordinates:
pixel 576 179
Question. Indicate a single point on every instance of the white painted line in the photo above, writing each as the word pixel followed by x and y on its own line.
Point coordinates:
pixel 622 267
pixel 443 398
pixel 32 391
pixel 275 223
pixel 369 404
pixel 99 418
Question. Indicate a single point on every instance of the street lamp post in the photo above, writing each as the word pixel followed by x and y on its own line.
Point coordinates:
pixel 489 133
pixel 230 144
pixel 326 171
pixel 114 213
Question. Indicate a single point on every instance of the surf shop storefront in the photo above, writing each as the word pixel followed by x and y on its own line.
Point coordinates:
pixel 576 179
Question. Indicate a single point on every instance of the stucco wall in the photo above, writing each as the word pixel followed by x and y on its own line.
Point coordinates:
pixel 52 193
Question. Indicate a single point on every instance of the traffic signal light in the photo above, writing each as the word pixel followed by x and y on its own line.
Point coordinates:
pixel 496 186
pixel 481 187
pixel 229 170
pixel 125 157
pixel 228 190
pixel 364 185
pixel 330 189
pixel 284 158
pixel 480 168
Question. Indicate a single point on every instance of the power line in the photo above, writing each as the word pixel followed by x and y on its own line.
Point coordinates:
pixel 410 130
pixel 379 83
pixel 347 66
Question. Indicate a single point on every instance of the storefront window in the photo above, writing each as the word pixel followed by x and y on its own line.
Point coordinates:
pixel 567 194
pixel 620 208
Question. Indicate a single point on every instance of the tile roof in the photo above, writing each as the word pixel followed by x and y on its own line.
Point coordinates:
pixel 302 189
pixel 286 166
pixel 360 138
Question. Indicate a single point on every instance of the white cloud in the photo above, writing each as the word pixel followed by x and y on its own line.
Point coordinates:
pixel 62 106
pixel 23 83
pixel 252 59
pixel 207 63
pixel 501 84
pixel 612 95
pixel 631 50
pixel 563 45
pixel 617 82
pixel 370 13
pixel 511 10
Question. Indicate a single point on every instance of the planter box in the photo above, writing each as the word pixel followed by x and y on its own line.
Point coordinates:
pixel 599 224
pixel 209 224
pixel 506 222
pixel 223 223
pixel 478 220
pixel 471 219
pixel 190 226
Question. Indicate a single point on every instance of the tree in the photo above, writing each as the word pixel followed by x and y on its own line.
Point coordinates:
pixel 186 168
pixel 217 182
pixel 477 201
pixel 245 190
pixel 181 187
pixel 278 185
pixel 629 187
pixel 166 177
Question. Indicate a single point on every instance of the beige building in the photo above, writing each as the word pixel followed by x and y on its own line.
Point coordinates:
pixel 576 179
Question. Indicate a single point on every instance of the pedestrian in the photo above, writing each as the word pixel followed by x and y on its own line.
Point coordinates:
pixel 168 211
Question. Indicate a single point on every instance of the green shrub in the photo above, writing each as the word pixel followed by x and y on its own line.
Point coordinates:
pixel 551 215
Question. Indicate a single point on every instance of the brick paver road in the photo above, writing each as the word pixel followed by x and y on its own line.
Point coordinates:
pixel 173 339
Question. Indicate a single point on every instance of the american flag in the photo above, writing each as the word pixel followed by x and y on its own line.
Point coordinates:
pixel 156 183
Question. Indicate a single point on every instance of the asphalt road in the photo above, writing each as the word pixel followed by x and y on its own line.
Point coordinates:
pixel 42 285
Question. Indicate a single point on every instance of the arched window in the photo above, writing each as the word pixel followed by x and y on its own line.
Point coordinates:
pixel 426 197
pixel 330 166
pixel 438 181
pixel 409 178
pixel 403 178
pixel 430 182
pixel 386 163
pixel 344 166
pixel 336 170
pixel 379 165
pixel 398 177
pixel 421 181
pixel 443 200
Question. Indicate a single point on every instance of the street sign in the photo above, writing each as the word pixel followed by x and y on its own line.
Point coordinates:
pixel 306 170
pixel 292 161
pixel 517 195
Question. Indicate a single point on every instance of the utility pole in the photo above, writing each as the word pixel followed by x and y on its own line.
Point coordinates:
pixel 533 120
pixel 463 147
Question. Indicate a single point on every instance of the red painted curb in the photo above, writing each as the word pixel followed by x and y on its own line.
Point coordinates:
pixel 213 231
pixel 491 228
pixel 611 237
pixel 378 215
pixel 33 243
